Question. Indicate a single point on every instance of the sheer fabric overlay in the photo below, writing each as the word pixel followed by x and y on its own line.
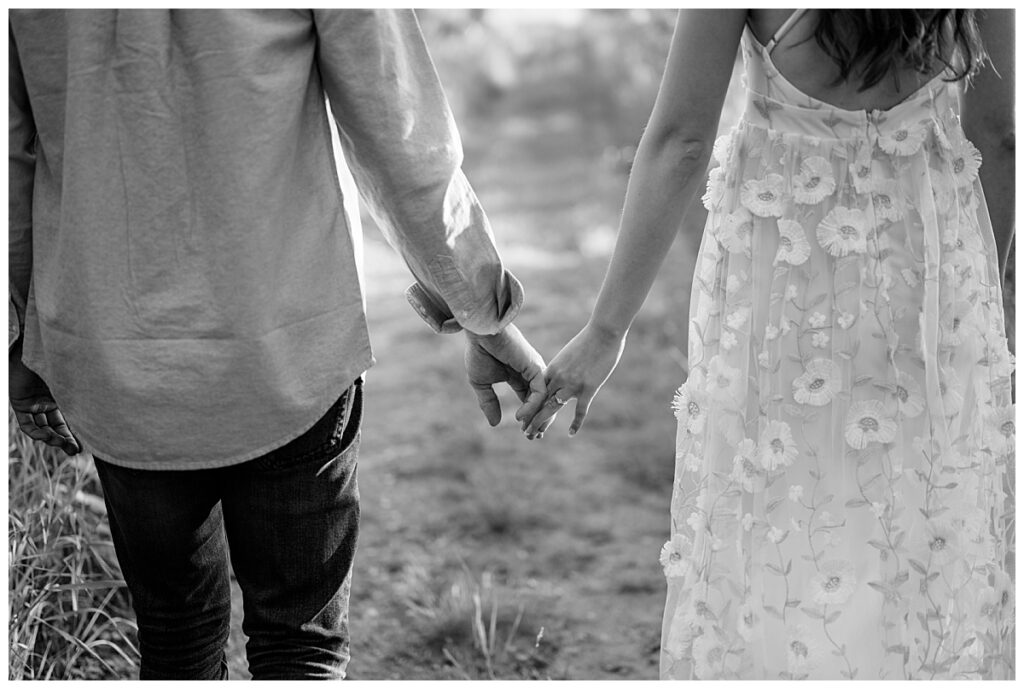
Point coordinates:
pixel 841 506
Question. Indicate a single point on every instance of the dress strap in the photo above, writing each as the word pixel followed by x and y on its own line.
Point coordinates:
pixel 784 29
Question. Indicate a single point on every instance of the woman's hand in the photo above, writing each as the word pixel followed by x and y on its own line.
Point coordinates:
pixel 579 371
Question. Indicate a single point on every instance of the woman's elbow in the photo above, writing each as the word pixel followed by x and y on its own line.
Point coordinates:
pixel 677 147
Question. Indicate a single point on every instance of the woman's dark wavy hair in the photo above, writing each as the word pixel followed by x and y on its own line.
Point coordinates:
pixel 869 44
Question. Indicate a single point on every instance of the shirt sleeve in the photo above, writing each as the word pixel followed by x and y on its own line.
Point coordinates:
pixel 21 176
pixel 403 148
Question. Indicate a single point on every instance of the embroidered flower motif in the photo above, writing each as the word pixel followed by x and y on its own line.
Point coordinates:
pixel 738 317
pixel 724 383
pixel 886 200
pixel 708 656
pixel 867 422
pixel 733 284
pixel 690 403
pixel 737 228
pixel 747 522
pixel 796 492
pixel 745 621
pixel 903 142
pixel 1003 586
pixel 715 193
pixel 943 191
pixel 692 462
pixel 776 535
pixel 771 332
pixel 965 242
pixel 815 182
pixel 777 447
pixel 675 556
pixel 834 583
pixel 1000 429
pixel 908 396
pixel 943 541
pixel 794 248
pixel 816 320
pixel 820 340
pixel 763 197
pixel 843 231
pixel 955 322
pixel 744 471
pixel 722 148
pixel 910 276
pixel 818 384
pixel 727 341
pixel 764 360
pixel 951 391
pixel 697 521
pixel 965 161
pixel 804 652
pixel 864 172
pixel 845 319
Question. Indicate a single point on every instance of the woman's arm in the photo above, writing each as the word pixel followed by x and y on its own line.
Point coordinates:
pixel 988 122
pixel 670 167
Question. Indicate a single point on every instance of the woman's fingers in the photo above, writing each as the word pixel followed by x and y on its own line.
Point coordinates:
pixel 582 407
pixel 546 414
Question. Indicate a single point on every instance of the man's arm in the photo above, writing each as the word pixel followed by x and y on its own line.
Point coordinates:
pixel 403 148
pixel 21 175
pixel 402 145
pixel 34 407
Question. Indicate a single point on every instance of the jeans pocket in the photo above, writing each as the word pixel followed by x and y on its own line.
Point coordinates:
pixel 332 435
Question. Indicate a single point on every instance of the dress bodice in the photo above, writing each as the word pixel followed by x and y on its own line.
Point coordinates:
pixel 775 103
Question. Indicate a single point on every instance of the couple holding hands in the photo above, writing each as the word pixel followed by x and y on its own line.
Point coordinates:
pixel 184 267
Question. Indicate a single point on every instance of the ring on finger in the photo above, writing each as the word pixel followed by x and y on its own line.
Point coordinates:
pixel 557 401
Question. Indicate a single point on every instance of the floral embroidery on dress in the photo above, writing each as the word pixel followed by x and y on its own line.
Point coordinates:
pixel 846 428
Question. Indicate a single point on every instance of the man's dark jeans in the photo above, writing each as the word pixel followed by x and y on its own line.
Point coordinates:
pixel 291 518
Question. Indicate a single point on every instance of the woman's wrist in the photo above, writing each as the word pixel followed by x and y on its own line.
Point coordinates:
pixel 606 332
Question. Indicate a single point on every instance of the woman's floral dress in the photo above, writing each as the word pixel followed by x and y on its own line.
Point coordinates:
pixel 842 507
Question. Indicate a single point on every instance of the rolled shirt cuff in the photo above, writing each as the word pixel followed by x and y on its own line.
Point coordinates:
pixel 490 318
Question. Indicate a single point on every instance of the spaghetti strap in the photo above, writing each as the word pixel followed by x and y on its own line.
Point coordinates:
pixel 784 29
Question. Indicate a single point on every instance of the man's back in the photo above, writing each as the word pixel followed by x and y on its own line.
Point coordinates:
pixel 193 279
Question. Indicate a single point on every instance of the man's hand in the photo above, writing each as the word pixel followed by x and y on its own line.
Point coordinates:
pixel 503 358
pixel 34 406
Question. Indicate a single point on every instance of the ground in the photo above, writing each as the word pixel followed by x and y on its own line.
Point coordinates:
pixel 483 554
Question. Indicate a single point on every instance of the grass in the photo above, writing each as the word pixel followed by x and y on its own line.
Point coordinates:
pixel 69 612
pixel 478 629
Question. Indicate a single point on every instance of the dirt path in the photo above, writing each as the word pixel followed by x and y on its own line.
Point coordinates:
pixel 482 554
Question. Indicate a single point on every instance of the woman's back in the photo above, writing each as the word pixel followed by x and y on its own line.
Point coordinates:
pixel 809 68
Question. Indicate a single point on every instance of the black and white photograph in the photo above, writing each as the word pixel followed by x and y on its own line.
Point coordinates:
pixel 549 343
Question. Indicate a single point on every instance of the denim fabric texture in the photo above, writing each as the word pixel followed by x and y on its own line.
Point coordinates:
pixel 289 520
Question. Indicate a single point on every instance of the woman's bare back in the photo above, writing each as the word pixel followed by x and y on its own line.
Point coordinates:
pixel 805 65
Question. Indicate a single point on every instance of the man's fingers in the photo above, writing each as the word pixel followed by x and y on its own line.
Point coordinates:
pixel 489 403
pixel 520 386
pixel 41 420
pixel 582 407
